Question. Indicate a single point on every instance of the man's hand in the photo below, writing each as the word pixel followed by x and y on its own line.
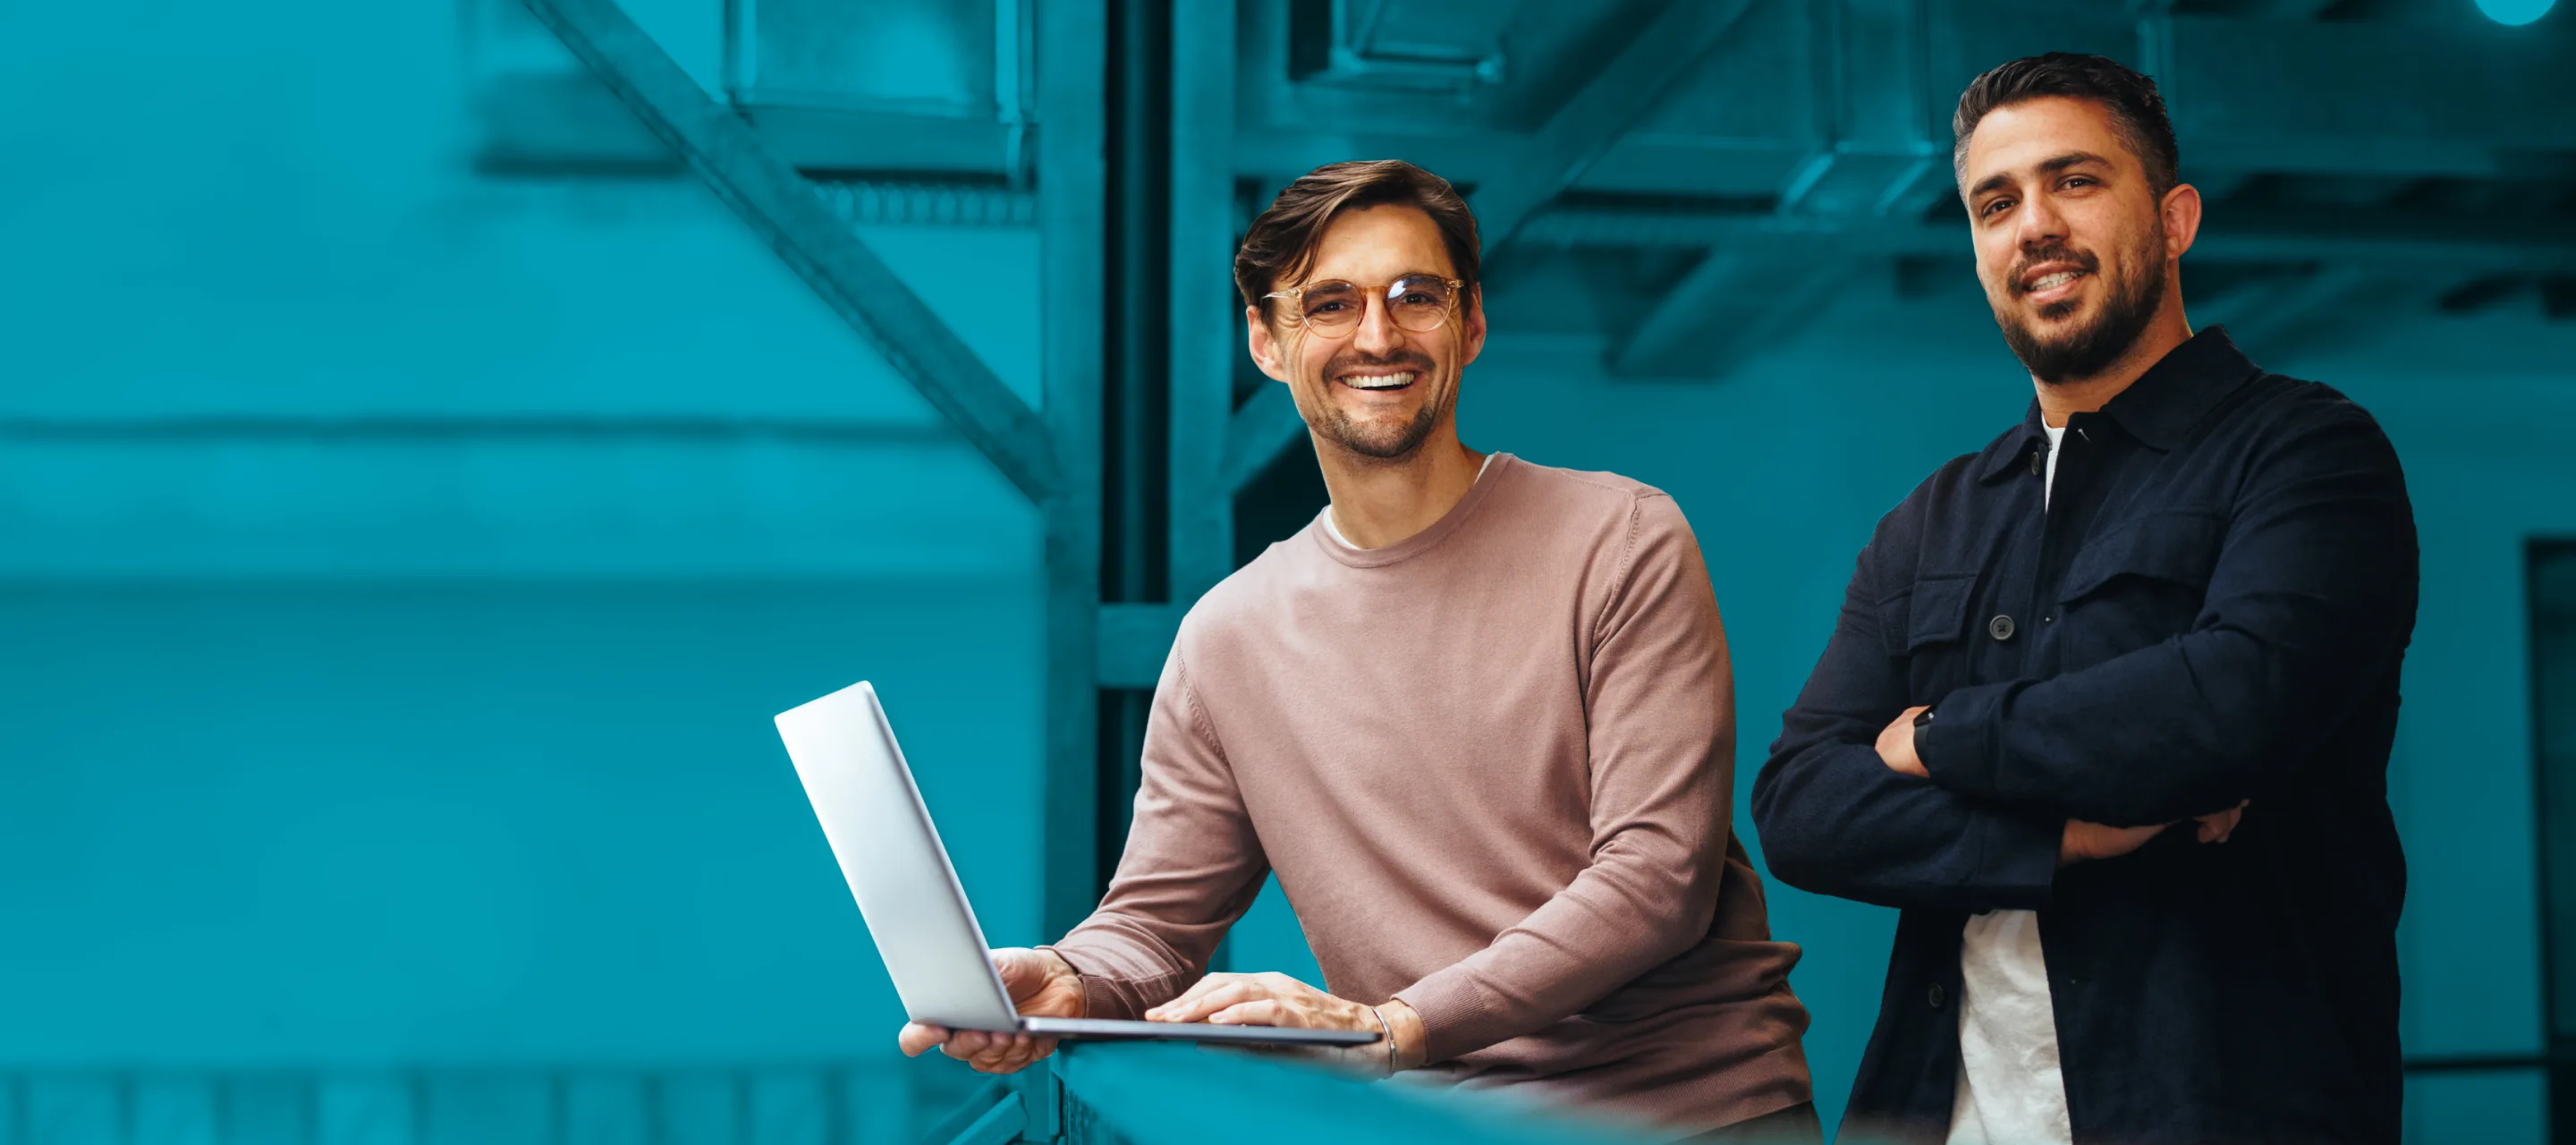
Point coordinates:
pixel 2084 840
pixel 1896 745
pixel 1275 999
pixel 1040 984
pixel 2216 826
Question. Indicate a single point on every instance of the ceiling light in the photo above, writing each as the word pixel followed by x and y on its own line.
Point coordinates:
pixel 2514 12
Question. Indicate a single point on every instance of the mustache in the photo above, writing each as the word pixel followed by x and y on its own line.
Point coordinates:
pixel 2054 252
pixel 1346 362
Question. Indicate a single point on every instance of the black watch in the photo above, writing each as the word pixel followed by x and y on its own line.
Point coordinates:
pixel 1922 717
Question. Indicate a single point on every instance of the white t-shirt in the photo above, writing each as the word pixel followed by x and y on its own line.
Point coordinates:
pixel 1335 531
pixel 2010 1089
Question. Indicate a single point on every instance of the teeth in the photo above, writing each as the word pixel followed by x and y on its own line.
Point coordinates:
pixel 1377 381
pixel 2056 280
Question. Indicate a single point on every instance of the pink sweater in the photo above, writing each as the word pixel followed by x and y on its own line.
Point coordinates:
pixel 1492 766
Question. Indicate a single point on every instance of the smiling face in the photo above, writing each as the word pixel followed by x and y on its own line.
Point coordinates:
pixel 2073 243
pixel 1375 389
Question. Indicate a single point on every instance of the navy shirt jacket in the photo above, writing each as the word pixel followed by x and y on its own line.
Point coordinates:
pixel 2212 608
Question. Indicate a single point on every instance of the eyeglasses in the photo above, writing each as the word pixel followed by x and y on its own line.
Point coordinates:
pixel 1418 302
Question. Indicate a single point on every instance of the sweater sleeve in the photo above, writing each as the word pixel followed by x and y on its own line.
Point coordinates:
pixel 1191 867
pixel 1661 739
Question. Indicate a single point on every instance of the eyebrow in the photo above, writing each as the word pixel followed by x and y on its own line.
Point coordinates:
pixel 1392 281
pixel 2002 179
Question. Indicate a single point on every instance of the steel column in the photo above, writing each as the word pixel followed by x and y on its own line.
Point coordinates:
pixel 1206 330
pixel 1071 48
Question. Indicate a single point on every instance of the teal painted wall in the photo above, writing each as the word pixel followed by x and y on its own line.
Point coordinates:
pixel 398 567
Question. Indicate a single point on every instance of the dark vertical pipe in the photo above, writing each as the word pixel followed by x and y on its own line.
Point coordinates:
pixel 1136 411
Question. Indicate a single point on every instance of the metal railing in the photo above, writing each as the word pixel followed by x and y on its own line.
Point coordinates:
pixel 779 1103
pixel 1110 1093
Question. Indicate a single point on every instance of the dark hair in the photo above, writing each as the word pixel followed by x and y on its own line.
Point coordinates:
pixel 2137 112
pixel 1282 242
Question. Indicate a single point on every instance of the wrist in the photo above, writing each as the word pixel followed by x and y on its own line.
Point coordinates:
pixel 1411 1039
pixel 1061 970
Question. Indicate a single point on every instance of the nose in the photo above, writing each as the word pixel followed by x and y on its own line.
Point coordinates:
pixel 2041 223
pixel 1378 335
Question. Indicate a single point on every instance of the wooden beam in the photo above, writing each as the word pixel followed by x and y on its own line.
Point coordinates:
pixel 1663 50
pixel 781 207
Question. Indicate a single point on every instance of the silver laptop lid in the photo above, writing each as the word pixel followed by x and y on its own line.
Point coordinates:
pixel 854 775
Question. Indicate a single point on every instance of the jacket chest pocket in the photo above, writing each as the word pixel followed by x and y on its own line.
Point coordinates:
pixel 1929 625
pixel 2139 585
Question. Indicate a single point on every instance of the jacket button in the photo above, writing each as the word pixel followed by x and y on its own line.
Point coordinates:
pixel 1938 996
pixel 2001 628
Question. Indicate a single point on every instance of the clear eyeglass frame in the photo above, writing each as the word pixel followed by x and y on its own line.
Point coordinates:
pixel 1433 320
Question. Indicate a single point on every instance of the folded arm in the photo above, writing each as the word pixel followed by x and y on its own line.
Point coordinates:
pixel 2312 597
pixel 1836 820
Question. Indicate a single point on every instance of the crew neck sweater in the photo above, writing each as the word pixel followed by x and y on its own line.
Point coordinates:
pixel 1492 765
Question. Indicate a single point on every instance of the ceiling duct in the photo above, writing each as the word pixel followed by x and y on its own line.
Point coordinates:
pixel 1432 45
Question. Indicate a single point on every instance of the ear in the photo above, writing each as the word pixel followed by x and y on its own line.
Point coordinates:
pixel 2181 210
pixel 1471 328
pixel 1266 351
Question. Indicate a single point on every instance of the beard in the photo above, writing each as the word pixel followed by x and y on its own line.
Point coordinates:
pixel 1378 440
pixel 2090 349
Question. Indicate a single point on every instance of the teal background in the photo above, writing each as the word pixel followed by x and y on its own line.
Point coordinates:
pixel 401 553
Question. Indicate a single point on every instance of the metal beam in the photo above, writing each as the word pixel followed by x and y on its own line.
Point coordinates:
pixel 2287 9
pixel 1072 172
pixel 1206 328
pixel 1874 114
pixel 2452 99
pixel 781 207
pixel 1663 50
pixel 988 1097
pixel 1267 423
pixel 1729 308
pixel 2461 99
pixel 998 1125
pixel 1134 640
pixel 1874 161
pixel 1274 154
pixel 2370 236
pixel 2275 319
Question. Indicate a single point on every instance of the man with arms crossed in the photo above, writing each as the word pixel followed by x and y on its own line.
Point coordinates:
pixel 2180 590
pixel 1477 716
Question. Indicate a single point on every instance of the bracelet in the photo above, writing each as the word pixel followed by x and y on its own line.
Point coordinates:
pixel 1390 1039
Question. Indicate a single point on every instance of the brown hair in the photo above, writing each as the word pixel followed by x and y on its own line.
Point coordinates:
pixel 1281 243
pixel 2137 111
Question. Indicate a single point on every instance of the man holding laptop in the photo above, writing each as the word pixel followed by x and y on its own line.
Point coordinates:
pixel 1478 717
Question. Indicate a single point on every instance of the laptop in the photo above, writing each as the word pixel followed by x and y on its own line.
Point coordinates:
pixel 872 814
